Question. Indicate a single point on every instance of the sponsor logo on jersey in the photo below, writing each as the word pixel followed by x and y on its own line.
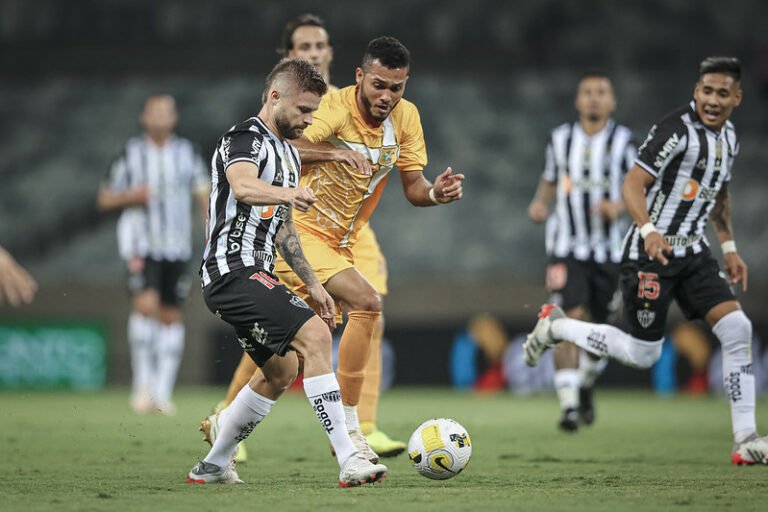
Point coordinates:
pixel 388 156
pixel 658 204
pixel 692 189
pixel 236 233
pixel 701 164
pixel 682 240
pixel 645 317
pixel 666 150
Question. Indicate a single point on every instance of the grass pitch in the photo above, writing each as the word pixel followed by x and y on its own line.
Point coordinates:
pixel 83 452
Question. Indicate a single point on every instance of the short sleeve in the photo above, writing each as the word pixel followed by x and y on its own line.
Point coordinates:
pixel 664 142
pixel 117 177
pixel 242 146
pixel 550 165
pixel 413 150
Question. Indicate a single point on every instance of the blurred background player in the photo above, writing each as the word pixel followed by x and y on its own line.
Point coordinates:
pixel 306 37
pixel 154 182
pixel 586 162
pixel 255 191
pixel 680 177
pixel 16 285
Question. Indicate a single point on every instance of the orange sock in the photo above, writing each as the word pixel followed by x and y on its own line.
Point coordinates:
pixel 353 353
pixel 369 394
pixel 242 376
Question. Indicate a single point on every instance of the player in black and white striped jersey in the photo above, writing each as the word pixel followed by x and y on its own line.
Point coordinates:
pixel 586 161
pixel 155 181
pixel 679 179
pixel 255 179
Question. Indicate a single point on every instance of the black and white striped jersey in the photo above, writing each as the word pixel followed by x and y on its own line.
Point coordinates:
pixel 586 171
pixel 162 229
pixel 690 163
pixel 241 235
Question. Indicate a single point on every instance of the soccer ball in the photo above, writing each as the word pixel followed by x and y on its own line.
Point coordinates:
pixel 439 449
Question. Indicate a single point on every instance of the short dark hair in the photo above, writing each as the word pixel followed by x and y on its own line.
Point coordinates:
pixel 304 74
pixel 302 20
pixel 726 65
pixel 594 73
pixel 390 52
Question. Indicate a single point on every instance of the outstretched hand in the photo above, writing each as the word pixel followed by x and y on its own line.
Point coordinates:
pixel 448 186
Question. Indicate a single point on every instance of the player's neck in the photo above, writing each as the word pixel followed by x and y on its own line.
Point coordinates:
pixel 367 119
pixel 591 127
pixel 159 139
pixel 269 123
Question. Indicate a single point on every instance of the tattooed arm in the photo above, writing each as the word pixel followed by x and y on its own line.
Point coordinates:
pixel 289 246
pixel 721 222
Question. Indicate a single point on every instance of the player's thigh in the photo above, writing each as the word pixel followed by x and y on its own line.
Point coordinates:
pixel 265 315
pixel 603 282
pixel 567 283
pixel 354 291
pixel 704 288
pixel 369 260
pixel 647 290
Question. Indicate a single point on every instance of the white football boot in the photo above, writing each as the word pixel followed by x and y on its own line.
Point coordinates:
pixel 753 450
pixel 358 470
pixel 207 473
pixel 540 339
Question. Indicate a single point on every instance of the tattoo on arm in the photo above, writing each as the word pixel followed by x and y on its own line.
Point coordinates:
pixel 721 214
pixel 288 244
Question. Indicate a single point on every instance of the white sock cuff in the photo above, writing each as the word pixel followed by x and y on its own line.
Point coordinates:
pixel 567 377
pixel 314 386
pixel 257 403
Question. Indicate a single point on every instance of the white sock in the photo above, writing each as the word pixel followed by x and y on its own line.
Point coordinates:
pixel 590 369
pixel 325 396
pixel 236 423
pixel 140 338
pixel 734 331
pixel 606 340
pixel 169 350
pixel 567 387
pixel 350 418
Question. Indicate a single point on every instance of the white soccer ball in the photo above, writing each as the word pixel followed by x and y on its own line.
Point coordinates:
pixel 440 448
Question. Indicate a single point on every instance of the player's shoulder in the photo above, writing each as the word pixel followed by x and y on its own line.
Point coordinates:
pixel 676 121
pixel 561 129
pixel 250 127
pixel 405 115
pixel 623 132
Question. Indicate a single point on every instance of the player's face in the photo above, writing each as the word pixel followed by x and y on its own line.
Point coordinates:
pixel 379 89
pixel 716 96
pixel 311 44
pixel 293 113
pixel 159 116
pixel 595 99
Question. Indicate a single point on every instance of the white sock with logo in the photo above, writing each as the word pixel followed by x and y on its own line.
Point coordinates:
pixel 567 387
pixel 606 340
pixel 590 369
pixel 325 397
pixel 734 331
pixel 170 348
pixel 236 423
pixel 141 331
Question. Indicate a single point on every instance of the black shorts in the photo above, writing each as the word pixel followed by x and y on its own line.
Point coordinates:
pixel 265 314
pixel 588 284
pixel 169 278
pixel 648 287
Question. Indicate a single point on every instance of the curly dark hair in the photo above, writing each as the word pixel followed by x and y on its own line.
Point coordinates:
pixel 390 53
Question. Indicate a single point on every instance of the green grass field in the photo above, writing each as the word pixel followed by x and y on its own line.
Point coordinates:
pixel 64 451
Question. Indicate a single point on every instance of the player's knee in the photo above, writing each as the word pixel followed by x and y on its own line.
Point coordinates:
pixel 734 331
pixel 282 380
pixel 645 353
pixel 368 301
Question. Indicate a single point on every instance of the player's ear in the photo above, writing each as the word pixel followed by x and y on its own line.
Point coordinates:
pixel 737 94
pixel 359 73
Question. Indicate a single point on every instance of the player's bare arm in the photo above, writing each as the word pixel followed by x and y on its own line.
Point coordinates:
pixel 723 226
pixel 633 190
pixel 610 210
pixel 324 151
pixel 420 192
pixel 16 285
pixel 111 200
pixel 246 186
pixel 288 244
pixel 538 210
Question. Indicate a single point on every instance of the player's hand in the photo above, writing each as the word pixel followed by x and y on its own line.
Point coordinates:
pixel 356 160
pixel 448 187
pixel 136 265
pixel 538 211
pixel 736 268
pixel 657 247
pixel 325 303
pixel 140 195
pixel 609 210
pixel 16 285
pixel 302 198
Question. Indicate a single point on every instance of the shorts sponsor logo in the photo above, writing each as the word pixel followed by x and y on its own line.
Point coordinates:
pixel 299 302
pixel 645 317
pixel 246 344
pixel 259 334
pixel 333 396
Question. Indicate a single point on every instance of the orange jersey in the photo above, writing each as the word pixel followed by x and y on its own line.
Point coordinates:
pixel 345 198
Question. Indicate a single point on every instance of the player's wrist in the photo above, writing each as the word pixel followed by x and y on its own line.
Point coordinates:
pixel 432 196
pixel 728 246
pixel 646 229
